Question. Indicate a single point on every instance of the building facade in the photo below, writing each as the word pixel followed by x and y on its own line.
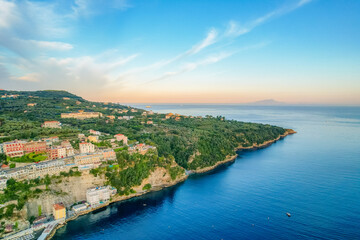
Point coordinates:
pixel 14 148
pixel 86 147
pixel 81 115
pixel 98 195
pixel 59 211
pixel 121 137
pixel 34 147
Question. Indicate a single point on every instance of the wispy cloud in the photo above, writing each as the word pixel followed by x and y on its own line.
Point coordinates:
pixel 209 40
pixel 235 29
pixel 88 8
pixel 190 66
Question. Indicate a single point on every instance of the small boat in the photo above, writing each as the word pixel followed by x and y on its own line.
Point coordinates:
pixel 148 106
pixel 288 214
pixel 144 204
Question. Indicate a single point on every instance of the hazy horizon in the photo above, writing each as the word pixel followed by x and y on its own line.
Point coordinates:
pixel 302 52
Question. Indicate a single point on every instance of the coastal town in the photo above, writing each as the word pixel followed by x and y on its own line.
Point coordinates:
pixel 62 156
pixel 57 156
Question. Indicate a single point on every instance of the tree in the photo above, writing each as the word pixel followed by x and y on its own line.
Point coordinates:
pixel 12 165
pixel 3 157
pixel 147 186
pixel 39 210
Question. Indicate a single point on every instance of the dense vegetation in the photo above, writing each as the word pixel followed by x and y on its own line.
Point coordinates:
pixel 192 142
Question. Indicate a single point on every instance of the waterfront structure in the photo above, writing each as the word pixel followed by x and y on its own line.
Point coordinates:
pixel 81 115
pixel 59 211
pixel 80 207
pixel 51 124
pixel 14 148
pixel 86 147
pixel 98 195
pixel 121 137
pixel 36 147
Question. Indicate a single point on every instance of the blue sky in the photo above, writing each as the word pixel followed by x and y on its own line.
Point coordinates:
pixel 296 51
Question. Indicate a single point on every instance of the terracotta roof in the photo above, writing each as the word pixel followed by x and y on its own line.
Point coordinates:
pixel 58 206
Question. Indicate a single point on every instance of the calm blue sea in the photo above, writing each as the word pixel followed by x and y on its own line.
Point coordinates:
pixel 314 175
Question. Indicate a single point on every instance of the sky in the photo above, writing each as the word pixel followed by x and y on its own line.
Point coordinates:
pixel 184 51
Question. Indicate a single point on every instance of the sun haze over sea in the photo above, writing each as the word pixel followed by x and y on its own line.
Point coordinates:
pixel 294 51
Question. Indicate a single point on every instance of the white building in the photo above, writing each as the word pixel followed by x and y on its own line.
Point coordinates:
pixel 98 195
pixel 86 147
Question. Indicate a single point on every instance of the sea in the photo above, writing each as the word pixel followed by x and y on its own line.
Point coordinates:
pixel 313 175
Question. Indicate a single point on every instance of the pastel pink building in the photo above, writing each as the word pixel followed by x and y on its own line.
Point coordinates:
pixel 121 137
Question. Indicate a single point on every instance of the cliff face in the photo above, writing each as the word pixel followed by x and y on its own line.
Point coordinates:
pixel 68 191
pixel 158 179
pixel 73 189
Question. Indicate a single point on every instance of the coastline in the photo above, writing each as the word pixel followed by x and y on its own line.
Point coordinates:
pixel 177 181
pixel 267 143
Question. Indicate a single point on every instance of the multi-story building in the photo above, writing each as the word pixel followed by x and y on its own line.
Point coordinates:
pixel 121 137
pixel 109 154
pixel 51 124
pixel 81 136
pixel 18 173
pixel 88 158
pixel 66 144
pixel 57 152
pixel 81 115
pixel 59 211
pixel 34 147
pixel 86 147
pixel 93 138
pixel 14 148
pixel 3 181
pixel 141 148
pixel 51 167
pixel 98 195
pixel 70 151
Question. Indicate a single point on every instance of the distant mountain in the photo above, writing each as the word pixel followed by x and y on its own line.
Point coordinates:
pixel 266 102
